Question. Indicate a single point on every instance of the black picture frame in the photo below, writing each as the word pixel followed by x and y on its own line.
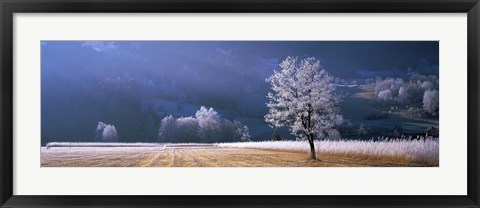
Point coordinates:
pixel 9 7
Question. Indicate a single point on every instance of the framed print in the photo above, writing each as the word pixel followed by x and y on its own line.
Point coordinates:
pixel 245 104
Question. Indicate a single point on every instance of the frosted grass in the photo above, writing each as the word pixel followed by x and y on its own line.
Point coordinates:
pixel 420 150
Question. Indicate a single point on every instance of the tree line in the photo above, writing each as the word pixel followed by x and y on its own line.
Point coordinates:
pixel 206 126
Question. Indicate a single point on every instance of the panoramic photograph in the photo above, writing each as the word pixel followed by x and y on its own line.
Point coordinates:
pixel 239 104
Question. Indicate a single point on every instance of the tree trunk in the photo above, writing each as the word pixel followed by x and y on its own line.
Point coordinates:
pixel 313 155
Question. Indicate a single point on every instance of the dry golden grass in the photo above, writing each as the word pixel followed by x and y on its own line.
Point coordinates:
pixel 206 157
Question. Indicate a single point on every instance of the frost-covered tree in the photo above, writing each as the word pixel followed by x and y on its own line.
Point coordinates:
pixel 245 133
pixel 303 99
pixel 414 93
pixel 207 116
pixel 230 131
pixel 106 133
pixel 109 134
pixel 402 95
pixel 385 95
pixel 167 128
pixel 430 101
pixel 388 84
pixel 99 131
pixel 183 129
pixel 407 93
pixel 187 129
pixel 209 123
pixel 206 126
pixel 426 85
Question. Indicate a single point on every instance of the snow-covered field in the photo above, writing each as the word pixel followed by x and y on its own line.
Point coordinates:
pixel 419 150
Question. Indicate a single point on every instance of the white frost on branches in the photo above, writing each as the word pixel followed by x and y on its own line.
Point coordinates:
pixel 206 126
pixel 385 95
pixel 410 93
pixel 99 130
pixel 167 128
pixel 430 101
pixel 391 84
pixel 207 117
pixel 303 99
pixel 245 133
pixel 106 132
pixel 209 122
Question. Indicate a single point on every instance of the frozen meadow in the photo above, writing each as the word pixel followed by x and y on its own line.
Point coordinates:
pixel 426 150
pixel 393 152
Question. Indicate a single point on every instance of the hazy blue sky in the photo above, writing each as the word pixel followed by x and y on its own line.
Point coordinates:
pixel 133 84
